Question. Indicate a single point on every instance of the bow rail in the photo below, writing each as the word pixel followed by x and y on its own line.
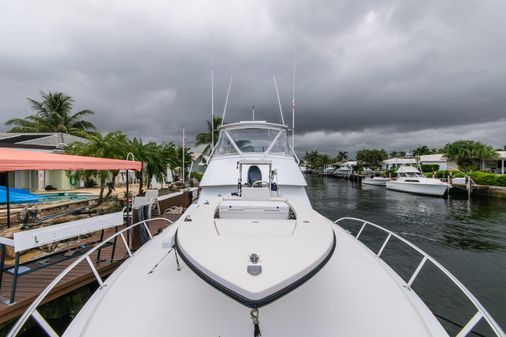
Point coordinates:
pixel 32 309
pixel 481 312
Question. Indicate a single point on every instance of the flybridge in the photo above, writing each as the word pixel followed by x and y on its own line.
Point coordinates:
pixel 252 137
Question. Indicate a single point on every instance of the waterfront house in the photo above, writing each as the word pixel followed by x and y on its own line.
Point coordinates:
pixel 495 165
pixel 438 159
pixel 199 159
pixel 395 163
pixel 41 142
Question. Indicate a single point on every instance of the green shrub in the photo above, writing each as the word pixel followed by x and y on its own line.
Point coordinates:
pixel 429 167
pixel 484 178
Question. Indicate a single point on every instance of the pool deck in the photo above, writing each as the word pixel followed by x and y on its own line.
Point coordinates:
pixel 29 286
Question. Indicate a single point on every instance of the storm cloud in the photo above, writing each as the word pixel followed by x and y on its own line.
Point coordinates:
pixel 376 73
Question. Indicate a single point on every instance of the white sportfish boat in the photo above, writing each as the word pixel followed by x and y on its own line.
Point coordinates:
pixel 409 179
pixel 376 181
pixel 252 258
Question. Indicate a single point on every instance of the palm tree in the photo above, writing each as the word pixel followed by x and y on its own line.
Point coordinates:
pixel 54 114
pixel 113 145
pixel 155 159
pixel 467 152
pixel 205 137
pixel 342 156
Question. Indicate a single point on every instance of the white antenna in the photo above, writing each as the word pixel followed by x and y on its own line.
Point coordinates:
pixel 279 101
pixel 212 93
pixel 253 111
pixel 293 92
pixel 226 100
pixel 212 109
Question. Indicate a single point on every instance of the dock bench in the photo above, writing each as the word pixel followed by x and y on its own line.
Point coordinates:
pixel 35 238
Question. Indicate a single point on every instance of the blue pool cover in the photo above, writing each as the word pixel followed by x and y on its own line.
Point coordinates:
pixel 18 196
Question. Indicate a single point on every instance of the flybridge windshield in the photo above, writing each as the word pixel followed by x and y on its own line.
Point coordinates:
pixel 247 140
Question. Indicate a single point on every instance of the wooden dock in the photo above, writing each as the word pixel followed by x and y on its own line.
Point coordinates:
pixel 29 286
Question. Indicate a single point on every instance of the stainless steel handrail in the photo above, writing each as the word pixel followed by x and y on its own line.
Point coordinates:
pixel 32 309
pixel 481 311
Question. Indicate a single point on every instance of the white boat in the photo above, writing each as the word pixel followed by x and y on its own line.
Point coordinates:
pixel 328 170
pixel 343 172
pixel 253 258
pixel 377 181
pixel 409 179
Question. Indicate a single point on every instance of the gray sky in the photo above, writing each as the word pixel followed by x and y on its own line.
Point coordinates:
pixel 371 73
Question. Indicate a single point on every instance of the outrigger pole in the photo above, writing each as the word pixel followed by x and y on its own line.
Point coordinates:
pixel 279 101
pixel 226 100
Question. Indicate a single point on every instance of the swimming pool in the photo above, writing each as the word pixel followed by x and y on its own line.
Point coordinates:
pixel 18 196
pixel 64 196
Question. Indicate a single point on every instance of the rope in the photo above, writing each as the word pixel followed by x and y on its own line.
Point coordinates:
pixel 256 325
pixel 177 260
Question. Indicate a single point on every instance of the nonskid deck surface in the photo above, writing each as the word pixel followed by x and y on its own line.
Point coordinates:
pixel 353 295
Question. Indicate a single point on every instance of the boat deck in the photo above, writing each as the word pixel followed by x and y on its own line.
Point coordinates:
pixel 29 286
pixel 351 296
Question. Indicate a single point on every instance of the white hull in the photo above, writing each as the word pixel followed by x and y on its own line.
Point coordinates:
pixel 418 188
pixel 162 301
pixel 375 181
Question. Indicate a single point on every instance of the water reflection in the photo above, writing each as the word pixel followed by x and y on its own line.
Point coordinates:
pixel 477 224
pixel 467 236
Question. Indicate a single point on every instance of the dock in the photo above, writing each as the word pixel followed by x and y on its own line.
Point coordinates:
pixel 29 286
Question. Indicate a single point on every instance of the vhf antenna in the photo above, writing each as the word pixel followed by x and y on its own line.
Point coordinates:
pixel 279 101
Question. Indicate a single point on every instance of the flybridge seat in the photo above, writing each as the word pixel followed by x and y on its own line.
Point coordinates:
pixel 254 175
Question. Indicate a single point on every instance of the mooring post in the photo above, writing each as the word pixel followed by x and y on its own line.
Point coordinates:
pixel 7 200
pixel 2 263
pixel 14 279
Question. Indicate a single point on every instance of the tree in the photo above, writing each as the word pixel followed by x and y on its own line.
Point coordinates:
pixel 316 160
pixel 422 150
pixel 373 157
pixel 113 145
pixel 206 137
pixel 342 156
pixel 54 114
pixel 155 159
pixel 467 152
pixel 393 154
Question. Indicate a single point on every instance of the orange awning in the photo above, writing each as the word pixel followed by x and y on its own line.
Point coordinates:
pixel 17 160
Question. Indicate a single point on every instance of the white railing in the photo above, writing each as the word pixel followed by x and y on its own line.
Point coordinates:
pixel 481 312
pixel 32 309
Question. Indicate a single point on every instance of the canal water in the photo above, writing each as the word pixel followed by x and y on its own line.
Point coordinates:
pixel 467 236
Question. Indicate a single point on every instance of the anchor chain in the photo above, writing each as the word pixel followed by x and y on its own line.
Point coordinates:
pixel 256 324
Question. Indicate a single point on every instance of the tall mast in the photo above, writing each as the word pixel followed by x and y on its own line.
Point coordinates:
pixel 293 92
